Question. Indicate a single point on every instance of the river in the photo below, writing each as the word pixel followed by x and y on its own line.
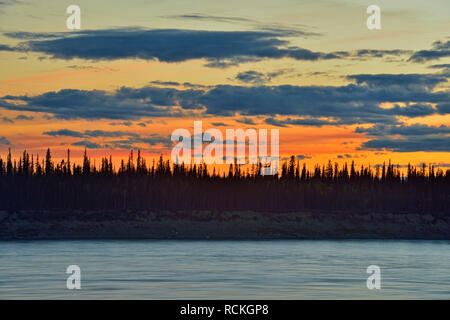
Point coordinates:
pixel 296 269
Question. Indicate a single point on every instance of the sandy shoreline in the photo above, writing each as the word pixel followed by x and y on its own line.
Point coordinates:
pixel 219 225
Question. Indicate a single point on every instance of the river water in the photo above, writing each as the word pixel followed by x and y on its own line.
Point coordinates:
pixel 148 269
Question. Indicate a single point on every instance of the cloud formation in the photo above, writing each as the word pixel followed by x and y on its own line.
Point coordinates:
pixel 439 50
pixel 412 95
pixel 251 76
pixel 426 144
pixel 88 144
pixel 6 120
pixel 4 141
pixel 23 117
pixel 111 139
pixel 259 78
pixel 166 45
pixel 402 130
pixel 407 138
pixel 221 49
pixel 303 157
pixel 123 104
pixel 308 122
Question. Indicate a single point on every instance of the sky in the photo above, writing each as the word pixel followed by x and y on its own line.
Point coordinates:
pixel 138 70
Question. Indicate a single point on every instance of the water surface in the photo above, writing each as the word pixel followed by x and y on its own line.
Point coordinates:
pixel 147 269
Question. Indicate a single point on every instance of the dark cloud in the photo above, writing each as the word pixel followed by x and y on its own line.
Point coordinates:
pixel 193 85
pixel 439 50
pixel 109 134
pixel 310 122
pixel 302 157
pixel 414 110
pixel 88 144
pixel 346 104
pixel 251 77
pixel 221 48
pixel 123 123
pixel 4 141
pixel 223 64
pixel 443 108
pixel 404 138
pixel 380 53
pixel 92 68
pixel 219 124
pixel 440 66
pixel 123 104
pixel 4 47
pixel 275 122
pixel 133 142
pixel 411 130
pixel 90 133
pixel 426 144
pixel 22 35
pixel 246 120
pixel 411 81
pixel 64 133
pixel 120 139
pixel 259 78
pixel 279 72
pixel 411 96
pixel 6 120
pixel 24 117
pixel 152 140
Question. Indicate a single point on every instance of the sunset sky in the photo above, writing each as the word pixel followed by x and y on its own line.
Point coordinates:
pixel 139 69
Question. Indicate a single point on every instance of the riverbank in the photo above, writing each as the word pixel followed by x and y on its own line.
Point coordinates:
pixel 30 225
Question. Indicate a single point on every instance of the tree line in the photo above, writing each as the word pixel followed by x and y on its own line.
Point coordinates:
pixel 31 183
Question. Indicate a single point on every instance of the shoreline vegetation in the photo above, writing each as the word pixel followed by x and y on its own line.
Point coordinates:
pixel 41 199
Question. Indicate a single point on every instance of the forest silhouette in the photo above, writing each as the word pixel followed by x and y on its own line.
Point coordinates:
pixel 31 183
